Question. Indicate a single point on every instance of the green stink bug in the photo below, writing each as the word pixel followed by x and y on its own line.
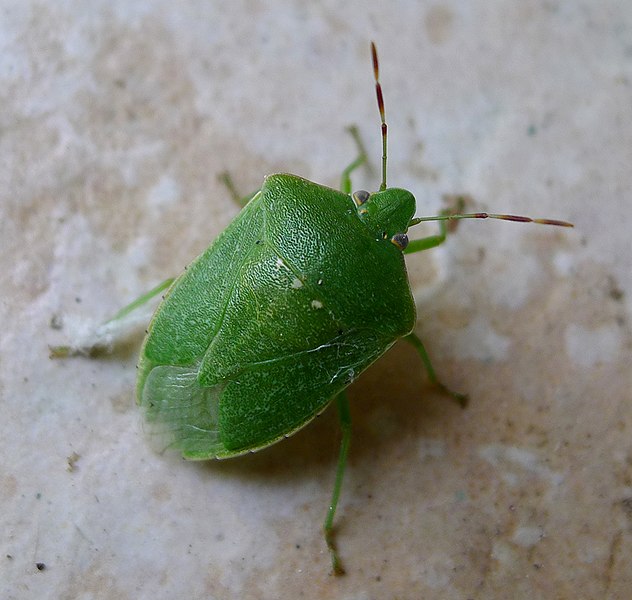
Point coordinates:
pixel 303 291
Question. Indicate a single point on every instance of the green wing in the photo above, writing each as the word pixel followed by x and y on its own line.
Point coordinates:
pixel 271 400
pixel 180 413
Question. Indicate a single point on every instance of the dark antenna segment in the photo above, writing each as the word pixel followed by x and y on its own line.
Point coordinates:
pixel 380 106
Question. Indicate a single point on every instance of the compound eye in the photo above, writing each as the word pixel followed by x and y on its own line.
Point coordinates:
pixel 360 197
pixel 400 240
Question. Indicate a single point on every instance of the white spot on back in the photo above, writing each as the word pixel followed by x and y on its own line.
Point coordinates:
pixel 317 304
pixel 297 283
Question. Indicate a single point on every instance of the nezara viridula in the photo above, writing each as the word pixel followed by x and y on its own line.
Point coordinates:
pixel 303 291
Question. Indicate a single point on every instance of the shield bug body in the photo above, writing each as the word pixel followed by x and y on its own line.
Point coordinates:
pixel 303 291
pixel 281 321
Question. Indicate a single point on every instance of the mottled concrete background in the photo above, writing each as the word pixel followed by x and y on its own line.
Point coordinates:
pixel 117 117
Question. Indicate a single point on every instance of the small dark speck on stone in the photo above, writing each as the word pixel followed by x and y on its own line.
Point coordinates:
pixel 10 556
pixel 78 300
pixel 378 578
pixel 298 546
pixel 537 566
pixel 40 566
pixel 532 130
pixel 56 322
pixel 615 292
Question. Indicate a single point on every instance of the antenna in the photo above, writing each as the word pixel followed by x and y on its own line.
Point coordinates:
pixel 380 106
pixel 442 217
pixel 484 215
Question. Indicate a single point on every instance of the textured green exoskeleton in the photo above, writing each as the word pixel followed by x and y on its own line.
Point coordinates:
pixel 300 294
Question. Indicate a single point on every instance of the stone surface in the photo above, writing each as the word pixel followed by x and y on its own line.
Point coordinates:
pixel 117 118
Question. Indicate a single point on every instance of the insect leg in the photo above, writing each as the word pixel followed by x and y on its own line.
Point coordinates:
pixel 100 340
pixel 445 227
pixel 345 424
pixel 428 242
pixel 423 354
pixel 141 300
pixel 345 181
pixel 227 180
